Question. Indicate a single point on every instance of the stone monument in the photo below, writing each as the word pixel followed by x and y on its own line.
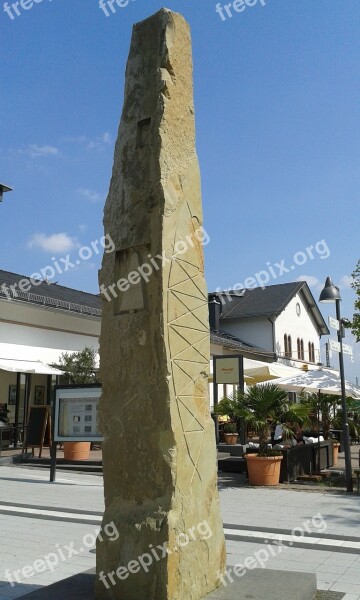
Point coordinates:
pixel 159 453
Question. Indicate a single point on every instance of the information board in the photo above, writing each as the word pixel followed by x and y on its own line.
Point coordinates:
pixel 76 414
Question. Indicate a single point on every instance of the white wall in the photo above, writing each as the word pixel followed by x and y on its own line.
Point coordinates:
pixel 257 332
pixel 37 333
pixel 303 327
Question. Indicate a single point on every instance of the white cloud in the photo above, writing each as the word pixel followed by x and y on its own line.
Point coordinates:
pixel 346 281
pixel 34 151
pixel 90 143
pixel 55 243
pixel 107 138
pixel 90 195
pixel 312 281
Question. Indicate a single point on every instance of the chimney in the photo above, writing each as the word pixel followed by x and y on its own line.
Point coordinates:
pixel 214 312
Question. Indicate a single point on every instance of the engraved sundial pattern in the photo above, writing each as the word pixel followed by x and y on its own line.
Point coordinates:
pixel 188 332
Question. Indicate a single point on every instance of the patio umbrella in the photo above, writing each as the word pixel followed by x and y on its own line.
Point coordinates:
pixel 258 371
pixel 323 380
pixel 320 380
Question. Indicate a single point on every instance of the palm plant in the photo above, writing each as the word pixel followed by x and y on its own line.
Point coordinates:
pixel 322 407
pixel 354 426
pixel 262 406
pixel 324 410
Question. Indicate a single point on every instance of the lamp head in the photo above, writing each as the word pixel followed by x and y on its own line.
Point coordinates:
pixel 330 293
pixel 3 189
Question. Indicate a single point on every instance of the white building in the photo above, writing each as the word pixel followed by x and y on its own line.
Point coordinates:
pixel 36 327
pixel 282 320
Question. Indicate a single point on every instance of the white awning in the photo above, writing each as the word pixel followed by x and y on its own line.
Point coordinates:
pixel 27 366
pixel 260 371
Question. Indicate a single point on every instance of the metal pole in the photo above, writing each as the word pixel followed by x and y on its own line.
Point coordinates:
pixel 318 424
pixel 216 401
pixel 242 389
pixel 348 469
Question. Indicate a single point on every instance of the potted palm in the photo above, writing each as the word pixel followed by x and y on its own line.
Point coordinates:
pixel 230 434
pixel 260 407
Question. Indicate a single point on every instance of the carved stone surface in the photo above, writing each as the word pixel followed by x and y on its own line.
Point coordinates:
pixel 159 452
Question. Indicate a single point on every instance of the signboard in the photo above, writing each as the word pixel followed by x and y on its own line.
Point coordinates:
pixel 227 370
pixel 334 323
pixel 334 345
pixel 347 349
pixel 76 414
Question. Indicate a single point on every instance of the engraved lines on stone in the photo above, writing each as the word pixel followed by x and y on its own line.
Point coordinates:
pixel 189 335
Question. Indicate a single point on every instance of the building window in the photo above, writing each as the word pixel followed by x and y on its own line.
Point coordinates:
pixel 311 352
pixel 300 349
pixel 287 346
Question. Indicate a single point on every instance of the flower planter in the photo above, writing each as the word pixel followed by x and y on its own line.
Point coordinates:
pixel 76 450
pixel 336 452
pixel 231 438
pixel 263 470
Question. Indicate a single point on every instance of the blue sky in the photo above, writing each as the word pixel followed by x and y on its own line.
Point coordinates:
pixel 278 129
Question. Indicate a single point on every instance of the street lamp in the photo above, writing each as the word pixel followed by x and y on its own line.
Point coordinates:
pixel 3 189
pixel 331 293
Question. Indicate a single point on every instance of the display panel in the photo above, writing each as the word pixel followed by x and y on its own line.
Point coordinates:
pixel 76 414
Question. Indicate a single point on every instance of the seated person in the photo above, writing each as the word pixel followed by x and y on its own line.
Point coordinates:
pixel 278 434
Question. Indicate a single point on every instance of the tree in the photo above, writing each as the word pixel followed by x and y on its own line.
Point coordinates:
pixel 355 325
pixel 80 367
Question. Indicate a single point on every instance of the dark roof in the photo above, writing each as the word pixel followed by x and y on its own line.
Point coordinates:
pixel 49 294
pixel 223 338
pixel 268 301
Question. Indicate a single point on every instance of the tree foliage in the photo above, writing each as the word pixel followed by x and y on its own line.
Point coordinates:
pixel 80 367
pixel 355 325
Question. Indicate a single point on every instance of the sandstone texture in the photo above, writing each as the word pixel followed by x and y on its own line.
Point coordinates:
pixel 159 453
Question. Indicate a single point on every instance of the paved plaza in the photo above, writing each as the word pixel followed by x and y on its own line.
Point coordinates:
pixel 271 528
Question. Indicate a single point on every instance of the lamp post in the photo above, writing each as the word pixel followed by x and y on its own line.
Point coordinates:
pixel 331 293
pixel 3 189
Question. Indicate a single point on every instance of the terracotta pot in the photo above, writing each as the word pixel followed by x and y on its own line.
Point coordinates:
pixel 336 452
pixel 76 450
pixel 263 470
pixel 231 438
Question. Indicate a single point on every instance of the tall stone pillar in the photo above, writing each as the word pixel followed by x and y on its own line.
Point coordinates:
pixel 159 453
